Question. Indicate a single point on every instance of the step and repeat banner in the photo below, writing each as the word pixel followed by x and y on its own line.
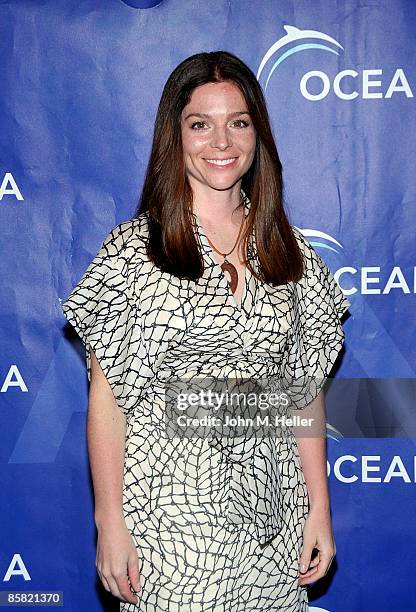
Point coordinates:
pixel 80 86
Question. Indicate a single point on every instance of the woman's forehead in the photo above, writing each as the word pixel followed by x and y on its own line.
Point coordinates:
pixel 216 95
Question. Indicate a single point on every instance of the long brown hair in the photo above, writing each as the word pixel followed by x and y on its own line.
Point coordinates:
pixel 167 195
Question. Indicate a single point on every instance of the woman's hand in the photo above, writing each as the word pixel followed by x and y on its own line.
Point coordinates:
pixel 317 534
pixel 117 560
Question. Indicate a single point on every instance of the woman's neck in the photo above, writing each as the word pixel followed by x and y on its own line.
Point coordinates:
pixel 221 206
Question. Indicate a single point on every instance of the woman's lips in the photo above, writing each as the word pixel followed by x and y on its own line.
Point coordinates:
pixel 222 163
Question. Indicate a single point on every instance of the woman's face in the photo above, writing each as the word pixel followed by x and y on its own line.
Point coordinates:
pixel 218 136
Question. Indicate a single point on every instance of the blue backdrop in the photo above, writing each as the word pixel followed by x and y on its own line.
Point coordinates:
pixel 80 86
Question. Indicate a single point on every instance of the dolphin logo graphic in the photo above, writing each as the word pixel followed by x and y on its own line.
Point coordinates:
pixel 310 234
pixel 332 433
pixel 295 34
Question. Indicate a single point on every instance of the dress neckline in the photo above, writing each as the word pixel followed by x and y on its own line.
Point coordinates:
pixel 216 268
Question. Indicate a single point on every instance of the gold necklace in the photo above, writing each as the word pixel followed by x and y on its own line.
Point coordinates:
pixel 226 265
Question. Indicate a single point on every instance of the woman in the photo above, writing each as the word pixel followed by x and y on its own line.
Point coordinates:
pixel 208 280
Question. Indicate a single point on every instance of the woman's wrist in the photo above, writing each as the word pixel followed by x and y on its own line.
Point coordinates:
pixel 320 504
pixel 106 517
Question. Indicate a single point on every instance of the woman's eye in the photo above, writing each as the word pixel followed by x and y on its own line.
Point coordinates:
pixel 241 122
pixel 197 125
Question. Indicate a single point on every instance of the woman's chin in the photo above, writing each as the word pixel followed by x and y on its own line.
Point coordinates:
pixel 224 182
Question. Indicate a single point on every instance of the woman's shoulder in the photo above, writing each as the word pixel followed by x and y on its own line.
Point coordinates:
pixel 304 244
pixel 128 239
pixel 313 262
pixel 318 281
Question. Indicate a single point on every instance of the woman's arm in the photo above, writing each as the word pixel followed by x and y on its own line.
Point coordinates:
pixel 106 432
pixel 312 451
pixel 318 526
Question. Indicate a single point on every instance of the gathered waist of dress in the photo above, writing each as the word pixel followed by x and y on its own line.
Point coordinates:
pixel 218 366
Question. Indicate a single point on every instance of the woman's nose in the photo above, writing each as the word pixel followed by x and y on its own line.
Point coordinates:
pixel 221 138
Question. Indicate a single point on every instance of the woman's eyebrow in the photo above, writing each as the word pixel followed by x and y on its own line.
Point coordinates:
pixel 207 116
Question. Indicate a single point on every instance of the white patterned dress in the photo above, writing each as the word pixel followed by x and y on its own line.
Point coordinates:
pixel 216 530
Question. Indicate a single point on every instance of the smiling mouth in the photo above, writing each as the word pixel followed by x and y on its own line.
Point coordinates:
pixel 221 162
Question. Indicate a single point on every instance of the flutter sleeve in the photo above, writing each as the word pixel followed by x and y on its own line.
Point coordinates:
pixel 317 335
pixel 102 311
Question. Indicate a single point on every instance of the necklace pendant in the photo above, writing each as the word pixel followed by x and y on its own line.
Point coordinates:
pixel 227 266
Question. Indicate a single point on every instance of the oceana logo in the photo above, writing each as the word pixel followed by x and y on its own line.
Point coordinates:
pixel 366 279
pixel 345 83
